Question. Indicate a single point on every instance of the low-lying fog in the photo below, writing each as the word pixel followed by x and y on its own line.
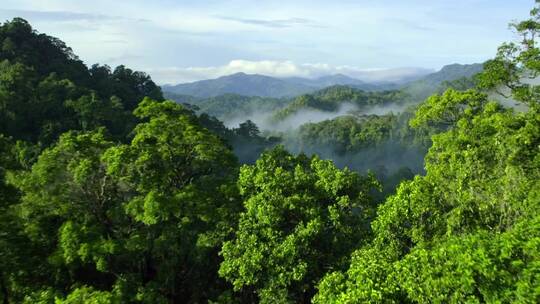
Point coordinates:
pixel 388 156
pixel 265 122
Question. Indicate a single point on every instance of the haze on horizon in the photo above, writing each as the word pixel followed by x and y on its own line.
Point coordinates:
pixel 183 41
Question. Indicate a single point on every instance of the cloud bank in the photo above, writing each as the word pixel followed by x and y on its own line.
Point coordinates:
pixel 283 69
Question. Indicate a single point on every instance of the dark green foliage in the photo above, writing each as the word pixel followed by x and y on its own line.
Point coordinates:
pixel 331 98
pixel 235 109
pixel 46 90
pixel 45 54
pixel 384 144
pixel 246 140
pixel 133 221
pixel 349 134
pixel 231 107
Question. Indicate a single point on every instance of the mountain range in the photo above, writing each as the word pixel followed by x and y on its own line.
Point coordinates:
pixel 266 86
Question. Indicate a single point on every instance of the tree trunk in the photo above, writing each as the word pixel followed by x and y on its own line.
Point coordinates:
pixel 4 290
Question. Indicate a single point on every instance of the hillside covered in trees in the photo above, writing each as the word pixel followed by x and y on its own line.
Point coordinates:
pixel 109 193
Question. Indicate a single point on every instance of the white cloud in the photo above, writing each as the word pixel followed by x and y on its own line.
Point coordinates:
pixel 281 69
pixel 347 35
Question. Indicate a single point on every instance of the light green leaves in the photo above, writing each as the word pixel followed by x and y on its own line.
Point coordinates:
pixel 302 216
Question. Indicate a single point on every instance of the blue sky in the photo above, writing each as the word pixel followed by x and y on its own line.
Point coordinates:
pixel 179 41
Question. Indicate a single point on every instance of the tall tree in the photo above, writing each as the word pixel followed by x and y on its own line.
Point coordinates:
pixel 302 217
pixel 140 222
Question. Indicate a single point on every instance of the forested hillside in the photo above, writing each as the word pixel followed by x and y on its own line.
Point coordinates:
pixel 420 83
pixel 111 194
pixel 335 96
pixel 331 98
pixel 448 75
pixel 242 84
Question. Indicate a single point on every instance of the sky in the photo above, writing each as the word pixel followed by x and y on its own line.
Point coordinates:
pixel 182 41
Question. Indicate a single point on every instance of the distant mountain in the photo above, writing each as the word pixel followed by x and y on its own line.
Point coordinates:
pixel 419 86
pixel 429 84
pixel 181 98
pixel 266 86
pixel 325 94
pixel 332 80
pixel 454 71
pixel 241 84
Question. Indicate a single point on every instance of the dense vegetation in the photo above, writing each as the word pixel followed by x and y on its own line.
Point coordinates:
pixel 384 144
pixel 454 75
pixel 46 90
pixel 109 194
pixel 331 98
pixel 347 95
pixel 233 108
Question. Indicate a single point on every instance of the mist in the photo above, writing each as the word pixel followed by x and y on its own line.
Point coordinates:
pixel 265 121
pixel 389 156
pixel 503 95
pixel 391 160
pixel 384 109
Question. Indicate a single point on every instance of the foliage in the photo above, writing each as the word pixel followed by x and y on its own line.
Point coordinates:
pixel 46 90
pixel 382 144
pixel 331 98
pixel 110 195
pixel 231 107
pixel 136 219
pixel 349 134
pixel 302 217
pixel 452 235
pixel 446 109
pixel 467 231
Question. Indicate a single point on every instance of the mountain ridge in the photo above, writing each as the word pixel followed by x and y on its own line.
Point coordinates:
pixel 267 86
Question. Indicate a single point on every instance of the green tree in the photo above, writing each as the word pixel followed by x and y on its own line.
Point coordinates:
pixel 510 72
pixel 302 217
pixel 20 259
pixel 467 231
pixel 451 236
pixel 248 129
pixel 45 90
pixel 443 111
pixel 141 222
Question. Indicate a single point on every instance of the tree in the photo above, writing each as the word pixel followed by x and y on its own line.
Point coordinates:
pixel 466 212
pixel 516 63
pixel 302 217
pixel 183 197
pixel 7 197
pixel 467 231
pixel 140 222
pixel 248 129
pixel 45 90
pixel 45 54
pixel 445 110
